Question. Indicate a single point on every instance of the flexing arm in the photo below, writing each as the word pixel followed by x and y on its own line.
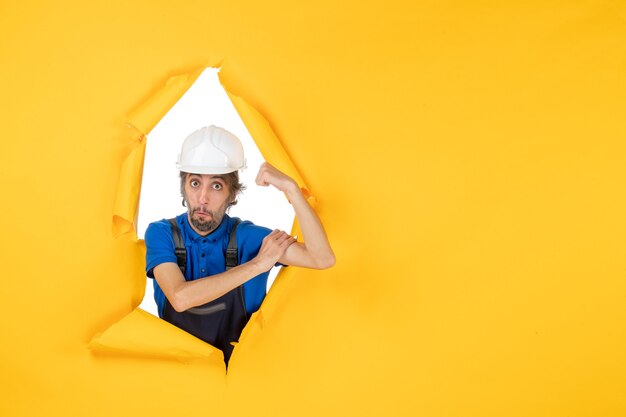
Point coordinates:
pixel 315 251
pixel 183 295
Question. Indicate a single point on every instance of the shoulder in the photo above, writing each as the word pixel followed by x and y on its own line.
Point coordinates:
pixel 247 228
pixel 250 233
pixel 160 231
pixel 159 245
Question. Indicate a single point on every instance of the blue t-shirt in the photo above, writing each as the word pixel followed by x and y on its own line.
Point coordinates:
pixel 205 254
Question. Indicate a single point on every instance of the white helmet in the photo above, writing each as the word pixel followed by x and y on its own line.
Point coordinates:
pixel 211 150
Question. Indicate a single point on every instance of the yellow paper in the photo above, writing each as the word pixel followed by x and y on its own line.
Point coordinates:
pixel 468 159
pixel 142 334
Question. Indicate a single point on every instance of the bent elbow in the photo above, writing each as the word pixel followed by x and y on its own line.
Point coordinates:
pixel 326 262
pixel 178 303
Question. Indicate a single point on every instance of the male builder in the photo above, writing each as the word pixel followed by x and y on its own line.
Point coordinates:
pixel 222 277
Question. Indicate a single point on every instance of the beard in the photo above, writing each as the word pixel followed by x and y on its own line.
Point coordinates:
pixel 207 226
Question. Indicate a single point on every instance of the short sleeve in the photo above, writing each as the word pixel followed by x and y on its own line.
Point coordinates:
pixel 159 246
pixel 250 237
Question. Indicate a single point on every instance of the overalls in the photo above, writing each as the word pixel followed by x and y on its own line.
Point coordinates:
pixel 218 322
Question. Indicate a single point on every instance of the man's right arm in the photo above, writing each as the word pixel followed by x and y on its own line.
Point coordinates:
pixel 184 295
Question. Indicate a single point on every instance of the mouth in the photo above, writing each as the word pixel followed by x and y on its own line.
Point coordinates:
pixel 203 213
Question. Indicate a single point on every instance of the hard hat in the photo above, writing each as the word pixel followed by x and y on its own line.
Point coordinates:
pixel 211 150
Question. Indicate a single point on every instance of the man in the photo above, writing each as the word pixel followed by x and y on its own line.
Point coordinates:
pixel 203 296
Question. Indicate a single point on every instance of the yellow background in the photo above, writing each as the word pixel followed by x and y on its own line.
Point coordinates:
pixel 468 161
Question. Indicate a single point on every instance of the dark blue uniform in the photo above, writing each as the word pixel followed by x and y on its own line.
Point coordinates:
pixel 205 257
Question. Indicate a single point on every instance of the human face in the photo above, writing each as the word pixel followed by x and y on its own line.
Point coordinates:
pixel 207 198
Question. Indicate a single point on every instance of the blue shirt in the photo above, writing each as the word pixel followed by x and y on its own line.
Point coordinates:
pixel 205 254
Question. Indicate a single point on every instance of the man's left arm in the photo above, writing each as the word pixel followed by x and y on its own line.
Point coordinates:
pixel 315 252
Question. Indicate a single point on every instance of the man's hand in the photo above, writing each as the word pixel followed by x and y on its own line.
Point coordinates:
pixel 273 248
pixel 268 175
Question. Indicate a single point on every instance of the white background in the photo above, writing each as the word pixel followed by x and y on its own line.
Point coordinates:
pixel 205 103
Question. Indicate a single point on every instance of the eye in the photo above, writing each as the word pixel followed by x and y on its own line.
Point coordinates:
pixel 217 186
pixel 194 183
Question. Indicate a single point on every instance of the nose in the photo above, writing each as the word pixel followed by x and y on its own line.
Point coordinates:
pixel 204 195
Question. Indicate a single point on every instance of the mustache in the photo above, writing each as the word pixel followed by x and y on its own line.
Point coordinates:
pixel 201 210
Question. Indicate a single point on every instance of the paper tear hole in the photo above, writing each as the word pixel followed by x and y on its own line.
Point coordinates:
pixel 205 103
